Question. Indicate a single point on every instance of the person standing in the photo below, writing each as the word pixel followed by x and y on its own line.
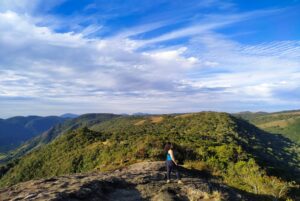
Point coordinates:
pixel 171 163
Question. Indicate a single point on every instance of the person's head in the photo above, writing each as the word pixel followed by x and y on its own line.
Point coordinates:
pixel 168 146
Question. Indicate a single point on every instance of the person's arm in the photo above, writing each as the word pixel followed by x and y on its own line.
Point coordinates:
pixel 172 156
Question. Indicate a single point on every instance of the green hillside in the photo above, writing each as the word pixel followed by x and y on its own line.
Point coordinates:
pixel 16 130
pixel 229 148
pixel 286 123
pixel 51 134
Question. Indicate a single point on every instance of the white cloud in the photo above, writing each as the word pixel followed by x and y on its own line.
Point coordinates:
pixel 249 72
pixel 44 71
pixel 18 5
pixel 87 64
pixel 208 24
pixel 28 6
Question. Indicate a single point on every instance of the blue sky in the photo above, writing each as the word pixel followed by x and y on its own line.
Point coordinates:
pixel 157 56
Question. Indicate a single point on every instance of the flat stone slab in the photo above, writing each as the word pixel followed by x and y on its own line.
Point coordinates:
pixel 140 181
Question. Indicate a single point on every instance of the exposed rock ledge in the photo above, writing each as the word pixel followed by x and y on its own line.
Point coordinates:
pixel 141 181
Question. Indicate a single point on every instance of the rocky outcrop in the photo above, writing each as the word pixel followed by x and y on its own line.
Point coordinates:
pixel 141 181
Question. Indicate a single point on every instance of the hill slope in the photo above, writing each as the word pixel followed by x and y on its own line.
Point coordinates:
pixel 240 154
pixel 16 130
pixel 286 123
pixel 52 133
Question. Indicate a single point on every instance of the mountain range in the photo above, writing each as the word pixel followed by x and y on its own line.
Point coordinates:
pixel 16 130
pixel 237 149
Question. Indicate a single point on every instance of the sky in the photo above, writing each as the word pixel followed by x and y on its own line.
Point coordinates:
pixel 153 56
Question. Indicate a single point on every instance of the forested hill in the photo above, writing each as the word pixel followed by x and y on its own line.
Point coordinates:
pixel 286 123
pixel 56 130
pixel 16 130
pixel 231 149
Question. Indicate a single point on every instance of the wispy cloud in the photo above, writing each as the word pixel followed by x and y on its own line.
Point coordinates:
pixel 46 71
pixel 250 71
pixel 28 6
pixel 202 26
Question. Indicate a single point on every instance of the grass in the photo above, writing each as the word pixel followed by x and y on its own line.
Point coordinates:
pixel 156 119
pixel 278 123
pixel 140 122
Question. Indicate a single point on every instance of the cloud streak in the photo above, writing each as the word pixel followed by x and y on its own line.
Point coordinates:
pixel 48 72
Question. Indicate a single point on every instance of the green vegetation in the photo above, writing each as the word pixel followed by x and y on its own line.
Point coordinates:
pixel 51 134
pixel 285 123
pixel 237 152
pixel 16 130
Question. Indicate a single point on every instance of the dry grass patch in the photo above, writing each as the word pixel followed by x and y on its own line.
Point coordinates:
pixel 184 115
pixel 156 119
pixel 106 142
pixel 195 195
pixel 280 123
pixel 140 122
pixel 287 113
pixel 153 119
pixel 198 165
pixel 98 144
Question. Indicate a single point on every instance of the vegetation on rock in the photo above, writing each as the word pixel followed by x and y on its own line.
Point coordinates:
pixel 240 154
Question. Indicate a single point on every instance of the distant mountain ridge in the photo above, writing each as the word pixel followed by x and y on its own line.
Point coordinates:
pixel 16 130
pixel 56 130
pixel 230 148
pixel 69 115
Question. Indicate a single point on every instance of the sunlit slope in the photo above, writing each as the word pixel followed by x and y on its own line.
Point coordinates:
pixel 52 133
pixel 226 146
pixel 285 123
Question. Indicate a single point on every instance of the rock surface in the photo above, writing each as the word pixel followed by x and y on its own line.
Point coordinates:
pixel 141 181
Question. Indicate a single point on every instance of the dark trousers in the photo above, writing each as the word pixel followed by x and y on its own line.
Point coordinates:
pixel 170 167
